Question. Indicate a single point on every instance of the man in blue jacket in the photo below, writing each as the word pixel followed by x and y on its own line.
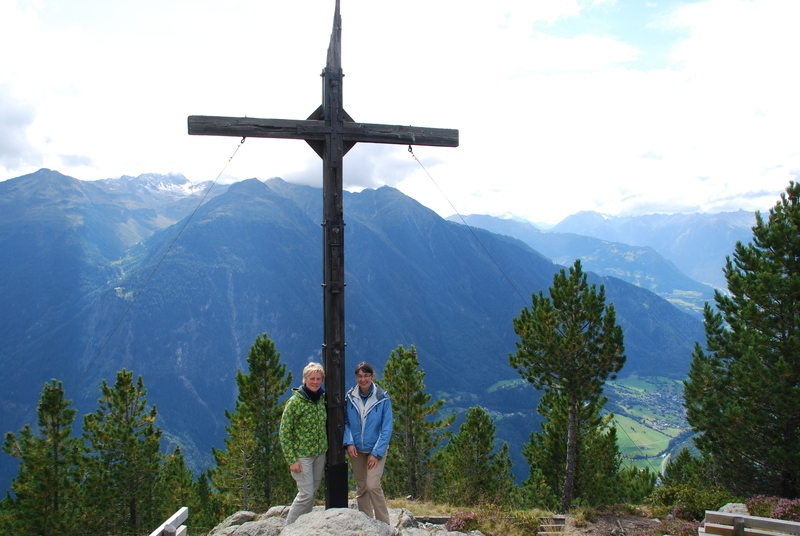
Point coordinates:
pixel 367 431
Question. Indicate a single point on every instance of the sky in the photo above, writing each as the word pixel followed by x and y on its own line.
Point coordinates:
pixel 617 106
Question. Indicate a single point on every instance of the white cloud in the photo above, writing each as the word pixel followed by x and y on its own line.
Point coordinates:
pixel 550 122
pixel 15 118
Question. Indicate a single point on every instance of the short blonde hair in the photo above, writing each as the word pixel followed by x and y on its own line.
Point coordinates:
pixel 311 368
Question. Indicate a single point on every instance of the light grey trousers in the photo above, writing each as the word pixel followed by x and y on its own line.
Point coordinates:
pixel 307 483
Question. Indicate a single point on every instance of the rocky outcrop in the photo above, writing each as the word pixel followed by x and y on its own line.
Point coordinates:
pixel 337 522
pixel 331 522
pixel 735 508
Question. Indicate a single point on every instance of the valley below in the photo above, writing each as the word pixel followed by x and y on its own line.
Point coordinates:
pixel 649 417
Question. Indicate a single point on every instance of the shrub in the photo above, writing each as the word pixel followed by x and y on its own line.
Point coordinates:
pixel 689 502
pixel 526 521
pixel 462 522
pixel 787 509
pixel 583 515
pixel 775 507
pixel 761 505
pixel 515 524
pixel 496 521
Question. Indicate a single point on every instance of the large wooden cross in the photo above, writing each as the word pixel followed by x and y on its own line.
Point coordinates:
pixel 331 132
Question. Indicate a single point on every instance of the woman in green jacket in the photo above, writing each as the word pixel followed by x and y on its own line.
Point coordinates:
pixel 303 438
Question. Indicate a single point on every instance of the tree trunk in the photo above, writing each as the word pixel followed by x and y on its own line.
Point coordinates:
pixel 788 484
pixel 572 457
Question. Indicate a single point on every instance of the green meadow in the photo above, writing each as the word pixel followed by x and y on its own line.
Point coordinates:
pixel 649 417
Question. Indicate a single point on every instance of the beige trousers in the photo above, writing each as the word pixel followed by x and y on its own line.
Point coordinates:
pixel 369 493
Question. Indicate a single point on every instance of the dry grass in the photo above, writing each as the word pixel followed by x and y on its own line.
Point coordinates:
pixel 424 508
pixel 491 520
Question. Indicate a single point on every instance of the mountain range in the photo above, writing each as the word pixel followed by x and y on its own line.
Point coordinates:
pixel 651 263
pixel 696 243
pixel 174 281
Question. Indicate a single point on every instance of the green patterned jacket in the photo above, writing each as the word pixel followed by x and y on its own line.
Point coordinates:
pixel 302 431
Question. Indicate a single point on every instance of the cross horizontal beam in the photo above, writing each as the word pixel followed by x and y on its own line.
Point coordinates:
pixel 309 129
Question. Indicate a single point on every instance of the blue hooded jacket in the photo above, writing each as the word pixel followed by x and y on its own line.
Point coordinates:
pixel 368 425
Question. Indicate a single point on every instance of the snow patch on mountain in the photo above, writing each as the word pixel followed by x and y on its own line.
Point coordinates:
pixel 174 184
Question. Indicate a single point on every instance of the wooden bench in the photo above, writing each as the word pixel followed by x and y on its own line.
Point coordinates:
pixel 174 525
pixel 730 524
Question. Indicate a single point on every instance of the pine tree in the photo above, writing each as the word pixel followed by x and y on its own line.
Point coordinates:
pixel 685 469
pixel 46 486
pixel 176 486
pixel 743 391
pixel 470 470
pixel 234 475
pixel 416 431
pixel 636 485
pixel 570 343
pixel 597 461
pixel 209 510
pixel 123 459
pixel 536 491
pixel 600 464
pixel 8 517
pixel 252 468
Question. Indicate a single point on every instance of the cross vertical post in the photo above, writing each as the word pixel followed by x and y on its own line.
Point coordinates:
pixel 331 132
pixel 333 347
